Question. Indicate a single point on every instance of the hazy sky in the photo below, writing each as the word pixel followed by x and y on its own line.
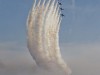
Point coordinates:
pixel 79 36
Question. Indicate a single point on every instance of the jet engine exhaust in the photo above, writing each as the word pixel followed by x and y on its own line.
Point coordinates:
pixel 43 25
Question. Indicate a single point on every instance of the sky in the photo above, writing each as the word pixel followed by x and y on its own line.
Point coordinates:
pixel 79 37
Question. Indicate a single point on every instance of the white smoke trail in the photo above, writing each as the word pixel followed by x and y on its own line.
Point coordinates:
pixel 43 35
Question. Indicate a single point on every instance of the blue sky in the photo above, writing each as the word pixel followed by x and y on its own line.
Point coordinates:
pixel 79 34
pixel 84 27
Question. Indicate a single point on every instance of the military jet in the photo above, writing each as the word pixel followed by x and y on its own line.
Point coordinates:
pixel 61 9
pixel 59 3
pixel 62 15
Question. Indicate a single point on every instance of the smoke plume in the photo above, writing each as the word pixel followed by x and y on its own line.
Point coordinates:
pixel 43 25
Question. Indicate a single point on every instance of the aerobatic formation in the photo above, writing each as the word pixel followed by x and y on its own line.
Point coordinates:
pixel 43 25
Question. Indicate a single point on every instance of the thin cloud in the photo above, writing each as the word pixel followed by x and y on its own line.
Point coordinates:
pixel 13 62
pixel 84 58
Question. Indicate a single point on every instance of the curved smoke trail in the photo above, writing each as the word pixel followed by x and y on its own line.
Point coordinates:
pixel 43 34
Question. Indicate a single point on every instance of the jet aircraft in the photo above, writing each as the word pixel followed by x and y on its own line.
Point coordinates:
pixel 61 9
pixel 59 3
pixel 62 15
